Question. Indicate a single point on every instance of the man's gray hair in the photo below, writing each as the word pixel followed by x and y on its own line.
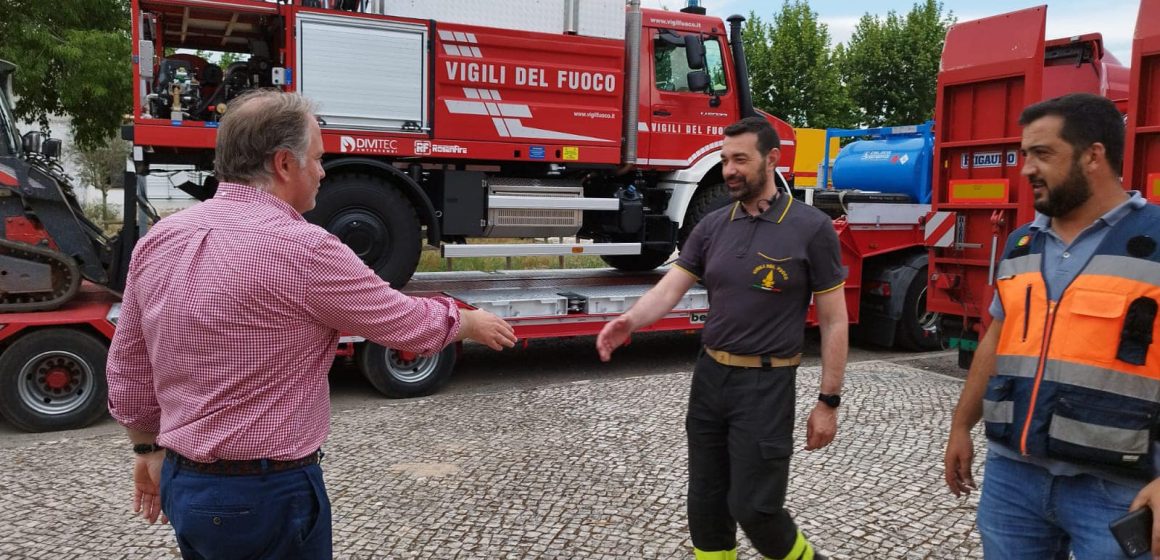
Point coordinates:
pixel 256 126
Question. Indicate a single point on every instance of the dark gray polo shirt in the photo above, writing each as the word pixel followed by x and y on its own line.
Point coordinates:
pixel 760 272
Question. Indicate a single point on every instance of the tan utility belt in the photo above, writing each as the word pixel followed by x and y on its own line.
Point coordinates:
pixel 737 360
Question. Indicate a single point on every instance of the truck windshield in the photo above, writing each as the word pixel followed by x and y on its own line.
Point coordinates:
pixel 672 68
pixel 9 142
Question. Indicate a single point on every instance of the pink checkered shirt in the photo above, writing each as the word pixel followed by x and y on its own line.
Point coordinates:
pixel 230 322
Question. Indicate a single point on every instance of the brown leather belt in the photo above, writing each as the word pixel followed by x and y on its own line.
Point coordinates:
pixel 249 467
pixel 763 361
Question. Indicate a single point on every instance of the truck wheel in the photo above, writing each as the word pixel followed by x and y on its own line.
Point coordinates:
pixel 706 200
pixel 375 220
pixel 401 375
pixel 648 259
pixel 917 327
pixel 54 379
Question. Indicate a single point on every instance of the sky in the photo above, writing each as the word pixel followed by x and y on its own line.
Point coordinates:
pixel 1115 19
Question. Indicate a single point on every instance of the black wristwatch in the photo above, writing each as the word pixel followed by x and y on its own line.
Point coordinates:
pixel 146 448
pixel 832 401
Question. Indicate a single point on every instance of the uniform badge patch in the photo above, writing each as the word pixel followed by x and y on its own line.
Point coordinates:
pixel 766 277
pixel 1023 241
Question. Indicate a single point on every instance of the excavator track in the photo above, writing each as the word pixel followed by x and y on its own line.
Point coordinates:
pixel 35 278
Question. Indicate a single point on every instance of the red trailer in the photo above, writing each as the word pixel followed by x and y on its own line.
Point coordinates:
pixel 991 69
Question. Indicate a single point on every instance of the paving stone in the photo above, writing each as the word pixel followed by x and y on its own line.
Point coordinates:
pixel 578 470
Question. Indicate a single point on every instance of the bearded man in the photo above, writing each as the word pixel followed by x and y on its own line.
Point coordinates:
pixel 761 260
pixel 1065 378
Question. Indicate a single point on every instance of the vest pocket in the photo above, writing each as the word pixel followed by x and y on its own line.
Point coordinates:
pixel 999 409
pixel 1091 325
pixel 1116 435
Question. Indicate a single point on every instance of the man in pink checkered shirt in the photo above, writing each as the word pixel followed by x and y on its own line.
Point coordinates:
pixel 231 316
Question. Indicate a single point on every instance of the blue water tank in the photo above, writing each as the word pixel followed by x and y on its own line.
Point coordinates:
pixel 899 162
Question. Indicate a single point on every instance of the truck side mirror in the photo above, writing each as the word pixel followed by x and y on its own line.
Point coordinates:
pixel 51 148
pixel 698 80
pixel 694 52
pixel 32 142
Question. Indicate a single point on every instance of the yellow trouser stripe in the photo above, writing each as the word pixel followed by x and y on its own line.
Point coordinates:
pixel 715 555
pixel 802 550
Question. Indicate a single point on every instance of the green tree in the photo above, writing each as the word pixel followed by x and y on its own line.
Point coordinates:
pixel 890 66
pixel 74 61
pixel 103 167
pixel 759 60
pixel 793 70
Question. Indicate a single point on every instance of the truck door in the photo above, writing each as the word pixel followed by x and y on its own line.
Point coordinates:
pixel 686 125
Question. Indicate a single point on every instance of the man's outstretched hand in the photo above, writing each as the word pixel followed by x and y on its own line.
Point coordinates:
pixel 613 336
pixel 487 329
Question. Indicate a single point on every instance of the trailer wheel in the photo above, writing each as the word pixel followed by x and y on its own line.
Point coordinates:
pixel 54 379
pixel 705 201
pixel 401 375
pixel 375 220
pixel 917 327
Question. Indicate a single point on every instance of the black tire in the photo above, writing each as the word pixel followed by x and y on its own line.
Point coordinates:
pixel 372 217
pixel 54 379
pixel 401 375
pixel 917 328
pixel 648 259
pixel 707 199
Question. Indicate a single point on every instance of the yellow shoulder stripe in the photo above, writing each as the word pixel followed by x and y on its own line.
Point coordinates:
pixel 828 290
pixel 686 271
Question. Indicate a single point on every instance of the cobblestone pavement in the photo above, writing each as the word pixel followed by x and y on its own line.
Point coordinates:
pixel 579 470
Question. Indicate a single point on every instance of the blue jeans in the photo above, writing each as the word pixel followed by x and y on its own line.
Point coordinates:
pixel 1026 513
pixel 275 515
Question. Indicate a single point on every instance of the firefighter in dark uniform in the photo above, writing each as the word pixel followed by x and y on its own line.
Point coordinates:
pixel 761 259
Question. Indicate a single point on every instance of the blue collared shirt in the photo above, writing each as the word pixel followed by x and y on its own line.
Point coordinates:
pixel 1062 262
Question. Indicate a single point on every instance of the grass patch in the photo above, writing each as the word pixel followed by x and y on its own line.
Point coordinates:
pixel 432 261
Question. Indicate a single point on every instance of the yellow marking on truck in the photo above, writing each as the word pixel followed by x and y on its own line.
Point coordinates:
pixel 978 190
pixel 809 149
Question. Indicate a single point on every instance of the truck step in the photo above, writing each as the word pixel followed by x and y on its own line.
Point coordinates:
pixel 539 249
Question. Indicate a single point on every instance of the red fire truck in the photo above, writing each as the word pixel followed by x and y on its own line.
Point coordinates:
pixel 460 119
pixel 523 119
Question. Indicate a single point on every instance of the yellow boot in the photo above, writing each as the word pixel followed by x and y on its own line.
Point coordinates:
pixel 715 555
pixel 802 550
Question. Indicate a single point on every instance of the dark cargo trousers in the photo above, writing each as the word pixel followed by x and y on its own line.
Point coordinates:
pixel 740 429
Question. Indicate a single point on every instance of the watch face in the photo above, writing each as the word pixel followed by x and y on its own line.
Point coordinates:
pixel 831 400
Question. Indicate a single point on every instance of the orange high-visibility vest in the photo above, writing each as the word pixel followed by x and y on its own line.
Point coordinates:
pixel 1078 379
